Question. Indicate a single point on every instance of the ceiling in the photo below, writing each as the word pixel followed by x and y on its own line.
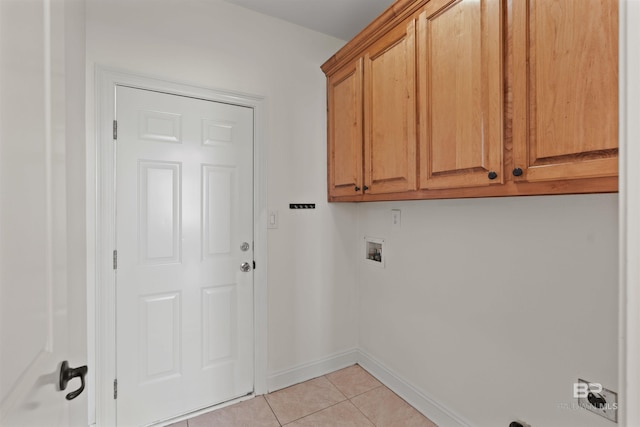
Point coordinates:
pixel 338 18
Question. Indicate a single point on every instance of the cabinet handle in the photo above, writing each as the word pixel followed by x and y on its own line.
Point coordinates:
pixel 357 188
pixel 492 175
pixel 365 188
pixel 517 172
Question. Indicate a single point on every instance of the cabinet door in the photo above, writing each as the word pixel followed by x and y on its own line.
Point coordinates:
pixel 390 112
pixel 344 97
pixel 460 93
pixel 565 88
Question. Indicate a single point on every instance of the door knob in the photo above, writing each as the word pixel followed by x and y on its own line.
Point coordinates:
pixel 67 373
pixel 245 266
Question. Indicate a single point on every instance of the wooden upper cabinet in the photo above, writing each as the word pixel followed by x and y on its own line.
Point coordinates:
pixel 390 112
pixel 476 98
pixel 565 89
pixel 344 111
pixel 460 93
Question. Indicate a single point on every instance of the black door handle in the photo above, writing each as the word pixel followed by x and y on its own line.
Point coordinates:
pixel 67 373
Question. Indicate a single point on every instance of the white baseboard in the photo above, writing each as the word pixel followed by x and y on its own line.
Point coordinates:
pixel 317 368
pixel 429 407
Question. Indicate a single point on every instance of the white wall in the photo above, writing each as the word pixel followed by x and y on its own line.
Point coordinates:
pixel 312 283
pixel 491 307
pixel 495 307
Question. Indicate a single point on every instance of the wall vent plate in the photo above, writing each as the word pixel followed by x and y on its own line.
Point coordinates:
pixel 374 251
pixel 607 409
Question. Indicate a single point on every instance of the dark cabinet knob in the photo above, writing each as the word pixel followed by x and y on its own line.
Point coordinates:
pixel 365 188
pixel 517 172
pixel 67 373
pixel 357 188
pixel 492 175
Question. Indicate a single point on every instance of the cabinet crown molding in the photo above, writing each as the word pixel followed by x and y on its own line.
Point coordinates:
pixel 394 14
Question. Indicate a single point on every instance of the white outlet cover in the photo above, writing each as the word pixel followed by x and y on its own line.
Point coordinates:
pixel 610 409
pixel 396 219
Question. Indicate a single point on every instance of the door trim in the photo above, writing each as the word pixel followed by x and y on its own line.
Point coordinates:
pixel 104 355
pixel 629 214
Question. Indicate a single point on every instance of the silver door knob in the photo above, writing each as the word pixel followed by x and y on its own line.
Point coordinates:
pixel 245 266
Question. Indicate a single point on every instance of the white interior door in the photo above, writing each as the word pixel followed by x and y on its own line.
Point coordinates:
pixel 34 209
pixel 184 221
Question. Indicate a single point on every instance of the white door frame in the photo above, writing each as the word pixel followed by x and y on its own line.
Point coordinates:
pixel 629 216
pixel 105 299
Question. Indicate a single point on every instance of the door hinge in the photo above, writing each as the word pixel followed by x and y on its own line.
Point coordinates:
pixel 115 129
pixel 115 389
pixel 115 260
pixel 254 265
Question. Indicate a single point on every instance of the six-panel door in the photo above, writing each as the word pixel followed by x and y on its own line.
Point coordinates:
pixel 184 210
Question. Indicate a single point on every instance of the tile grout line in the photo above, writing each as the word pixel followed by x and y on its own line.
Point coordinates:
pixel 346 399
pixel 272 411
pixel 363 414
pixel 315 412
pixel 360 410
pixel 359 394
pixel 349 399
pixel 371 389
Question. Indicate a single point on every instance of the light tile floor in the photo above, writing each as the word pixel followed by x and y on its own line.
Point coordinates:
pixel 350 397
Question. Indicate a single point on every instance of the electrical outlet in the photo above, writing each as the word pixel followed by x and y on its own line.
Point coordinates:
pixel 396 221
pixel 599 400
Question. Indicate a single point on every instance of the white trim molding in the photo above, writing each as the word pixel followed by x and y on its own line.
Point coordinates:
pixel 307 371
pixel 629 249
pixel 105 340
